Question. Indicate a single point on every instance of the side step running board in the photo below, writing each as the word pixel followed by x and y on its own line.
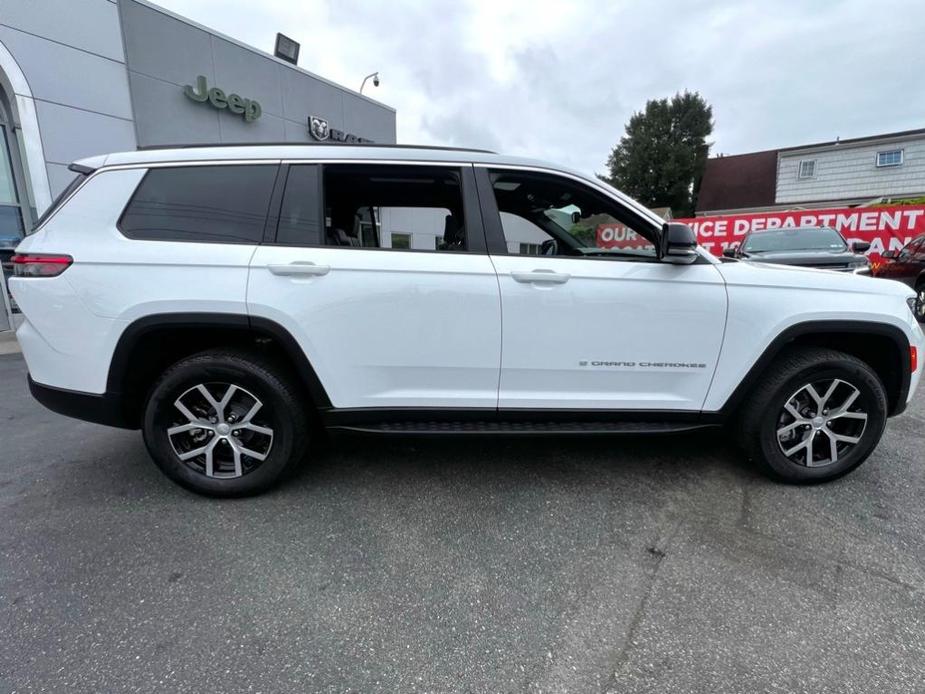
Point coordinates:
pixel 533 428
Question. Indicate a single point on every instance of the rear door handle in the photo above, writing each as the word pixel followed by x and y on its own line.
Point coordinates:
pixel 541 277
pixel 299 268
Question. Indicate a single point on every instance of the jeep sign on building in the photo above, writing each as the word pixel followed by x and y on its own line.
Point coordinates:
pixel 79 78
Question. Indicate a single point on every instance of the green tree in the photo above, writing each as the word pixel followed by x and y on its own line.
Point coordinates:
pixel 660 159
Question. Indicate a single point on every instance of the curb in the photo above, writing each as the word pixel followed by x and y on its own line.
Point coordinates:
pixel 8 343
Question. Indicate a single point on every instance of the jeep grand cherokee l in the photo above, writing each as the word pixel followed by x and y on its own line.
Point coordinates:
pixel 226 299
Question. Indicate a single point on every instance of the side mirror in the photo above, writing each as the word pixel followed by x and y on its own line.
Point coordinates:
pixel 889 255
pixel 678 244
pixel 730 252
pixel 860 246
pixel 549 247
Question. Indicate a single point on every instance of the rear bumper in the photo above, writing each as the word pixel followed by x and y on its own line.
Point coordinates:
pixel 104 409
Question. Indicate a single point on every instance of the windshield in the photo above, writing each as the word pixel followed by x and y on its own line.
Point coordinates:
pixel 813 239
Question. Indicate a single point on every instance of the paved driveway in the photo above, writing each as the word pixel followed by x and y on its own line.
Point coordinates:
pixel 476 565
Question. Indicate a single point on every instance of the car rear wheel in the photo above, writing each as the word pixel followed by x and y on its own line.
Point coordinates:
pixel 816 415
pixel 225 424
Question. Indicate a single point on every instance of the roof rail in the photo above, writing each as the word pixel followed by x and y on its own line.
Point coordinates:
pixel 146 148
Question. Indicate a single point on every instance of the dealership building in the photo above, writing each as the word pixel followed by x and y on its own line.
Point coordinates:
pixel 836 174
pixel 86 77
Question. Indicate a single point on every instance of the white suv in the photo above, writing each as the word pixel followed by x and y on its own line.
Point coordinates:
pixel 226 300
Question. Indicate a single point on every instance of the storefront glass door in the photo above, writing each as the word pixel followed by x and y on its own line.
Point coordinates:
pixel 12 226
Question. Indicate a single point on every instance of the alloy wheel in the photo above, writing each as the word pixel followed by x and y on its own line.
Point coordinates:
pixel 821 423
pixel 220 430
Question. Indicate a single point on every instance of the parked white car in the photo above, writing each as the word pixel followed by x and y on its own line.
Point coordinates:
pixel 227 299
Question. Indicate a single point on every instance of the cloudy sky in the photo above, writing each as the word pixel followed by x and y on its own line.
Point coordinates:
pixel 558 79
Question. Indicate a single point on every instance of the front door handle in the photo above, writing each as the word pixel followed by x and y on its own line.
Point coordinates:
pixel 541 277
pixel 299 268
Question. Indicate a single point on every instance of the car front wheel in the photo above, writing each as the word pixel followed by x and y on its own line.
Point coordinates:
pixel 816 415
pixel 225 423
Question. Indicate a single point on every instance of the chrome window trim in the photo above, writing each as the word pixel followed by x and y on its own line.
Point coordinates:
pixel 182 163
pixel 153 165
pixel 602 188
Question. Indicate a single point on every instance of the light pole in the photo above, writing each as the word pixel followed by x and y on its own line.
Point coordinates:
pixel 375 76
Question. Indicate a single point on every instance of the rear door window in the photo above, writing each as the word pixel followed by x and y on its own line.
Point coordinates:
pixel 403 207
pixel 300 215
pixel 217 204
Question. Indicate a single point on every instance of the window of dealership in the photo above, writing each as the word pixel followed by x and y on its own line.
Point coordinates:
pixel 16 210
pixel 13 217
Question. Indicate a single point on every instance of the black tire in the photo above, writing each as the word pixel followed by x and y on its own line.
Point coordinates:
pixel 281 412
pixel 764 415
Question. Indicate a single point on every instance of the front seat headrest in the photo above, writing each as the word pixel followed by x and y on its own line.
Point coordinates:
pixel 452 233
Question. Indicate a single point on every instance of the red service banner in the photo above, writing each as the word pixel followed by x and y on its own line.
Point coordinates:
pixel 885 228
pixel 618 235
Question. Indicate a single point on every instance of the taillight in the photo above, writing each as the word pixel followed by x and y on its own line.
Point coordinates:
pixel 913 358
pixel 40 264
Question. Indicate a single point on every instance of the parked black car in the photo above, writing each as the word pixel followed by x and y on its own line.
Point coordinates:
pixel 818 247
pixel 907 265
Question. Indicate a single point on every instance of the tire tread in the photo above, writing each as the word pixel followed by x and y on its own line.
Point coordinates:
pixel 786 366
pixel 278 379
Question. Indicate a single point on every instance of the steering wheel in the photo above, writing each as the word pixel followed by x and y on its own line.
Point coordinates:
pixel 549 247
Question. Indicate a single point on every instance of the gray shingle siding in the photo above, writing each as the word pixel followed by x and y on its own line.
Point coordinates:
pixel 851 172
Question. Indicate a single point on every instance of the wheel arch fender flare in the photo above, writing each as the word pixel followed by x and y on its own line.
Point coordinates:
pixel 255 327
pixel 821 329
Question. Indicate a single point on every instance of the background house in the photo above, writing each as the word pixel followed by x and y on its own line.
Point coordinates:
pixel 841 173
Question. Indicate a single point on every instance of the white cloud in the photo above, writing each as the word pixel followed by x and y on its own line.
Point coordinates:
pixel 558 80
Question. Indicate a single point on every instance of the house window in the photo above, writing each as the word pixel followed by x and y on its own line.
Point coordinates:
pixel 807 168
pixel 891 157
pixel 531 249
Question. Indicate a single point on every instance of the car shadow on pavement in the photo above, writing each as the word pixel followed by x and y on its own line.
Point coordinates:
pixel 567 459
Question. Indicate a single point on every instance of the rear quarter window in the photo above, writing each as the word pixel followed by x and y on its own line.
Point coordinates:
pixel 59 200
pixel 212 204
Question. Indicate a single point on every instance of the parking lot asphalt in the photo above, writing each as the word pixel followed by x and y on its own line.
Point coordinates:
pixel 475 565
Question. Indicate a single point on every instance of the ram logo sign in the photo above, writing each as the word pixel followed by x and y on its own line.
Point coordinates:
pixel 318 128
pixel 321 131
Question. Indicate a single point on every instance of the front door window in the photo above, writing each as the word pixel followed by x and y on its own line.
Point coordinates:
pixel 549 215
